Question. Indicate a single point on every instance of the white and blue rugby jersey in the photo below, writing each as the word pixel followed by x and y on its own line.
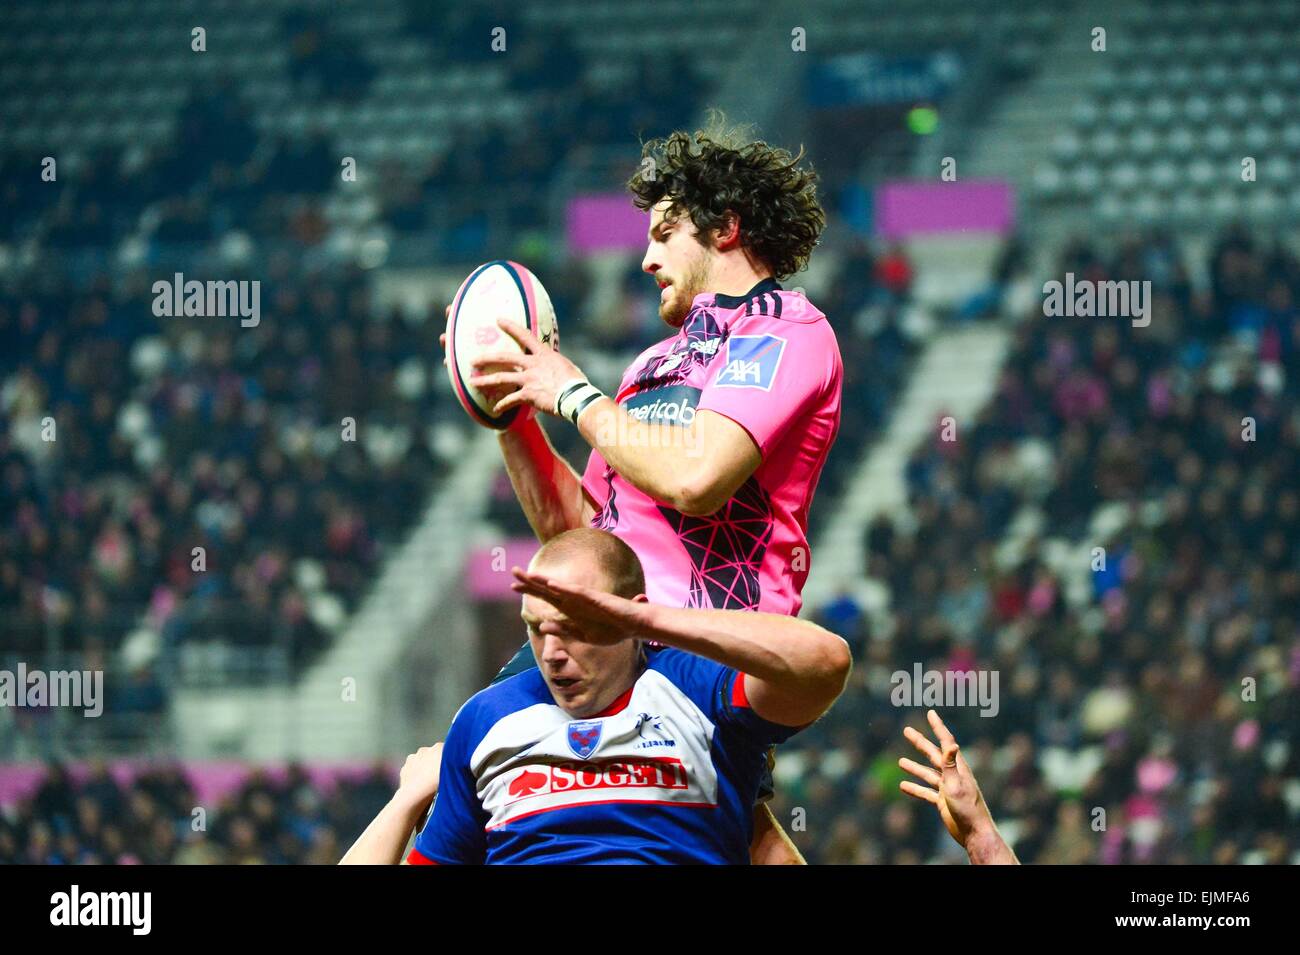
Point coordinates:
pixel 666 774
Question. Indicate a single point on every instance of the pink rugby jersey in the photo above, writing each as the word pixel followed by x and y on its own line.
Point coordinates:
pixel 769 361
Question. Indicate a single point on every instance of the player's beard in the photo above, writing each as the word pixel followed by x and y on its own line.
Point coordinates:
pixel 695 281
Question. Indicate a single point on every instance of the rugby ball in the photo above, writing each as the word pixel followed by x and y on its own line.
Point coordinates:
pixel 494 290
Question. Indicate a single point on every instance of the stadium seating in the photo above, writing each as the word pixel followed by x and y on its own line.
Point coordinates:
pixel 1121 683
pixel 1183 93
pixel 173 157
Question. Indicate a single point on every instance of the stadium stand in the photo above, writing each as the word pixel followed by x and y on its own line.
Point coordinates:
pixel 1185 92
pixel 1121 684
pixel 115 816
pixel 225 439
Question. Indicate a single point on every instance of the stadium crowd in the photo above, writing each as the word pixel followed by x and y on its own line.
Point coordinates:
pixel 1126 698
pixel 1162 687
pixel 156 819
pixel 1166 690
pixel 168 437
pixel 128 440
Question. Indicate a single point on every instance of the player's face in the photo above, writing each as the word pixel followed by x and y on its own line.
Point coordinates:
pixel 583 674
pixel 678 261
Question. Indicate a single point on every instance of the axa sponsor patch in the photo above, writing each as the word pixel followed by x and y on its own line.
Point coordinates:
pixel 751 361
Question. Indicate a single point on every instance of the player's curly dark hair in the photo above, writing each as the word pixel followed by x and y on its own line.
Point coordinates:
pixel 718 171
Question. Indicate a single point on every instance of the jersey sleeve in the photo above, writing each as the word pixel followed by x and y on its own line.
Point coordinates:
pixel 454 833
pixel 771 373
pixel 719 691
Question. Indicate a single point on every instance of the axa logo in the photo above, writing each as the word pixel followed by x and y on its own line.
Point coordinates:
pixel 751 361
pixel 744 372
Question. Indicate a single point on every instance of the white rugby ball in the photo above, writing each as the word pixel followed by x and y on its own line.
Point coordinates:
pixel 494 290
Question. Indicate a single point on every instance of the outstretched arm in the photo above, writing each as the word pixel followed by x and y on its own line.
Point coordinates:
pixel 386 836
pixel 956 795
pixel 549 490
pixel 694 468
pixel 793 669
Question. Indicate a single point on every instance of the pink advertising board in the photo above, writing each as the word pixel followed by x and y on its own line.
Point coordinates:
pixel 212 780
pixel 487 569
pixel 904 209
pixel 600 223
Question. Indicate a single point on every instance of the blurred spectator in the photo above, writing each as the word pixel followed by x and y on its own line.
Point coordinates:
pixel 1124 695
pixel 152 819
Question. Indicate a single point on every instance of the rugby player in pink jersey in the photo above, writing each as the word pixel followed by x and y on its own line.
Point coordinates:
pixel 706 458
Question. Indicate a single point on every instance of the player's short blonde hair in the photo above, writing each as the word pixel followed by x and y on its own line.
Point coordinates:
pixel 624 575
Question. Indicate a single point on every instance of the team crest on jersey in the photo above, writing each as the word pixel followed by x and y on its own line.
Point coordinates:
pixel 584 737
pixel 751 361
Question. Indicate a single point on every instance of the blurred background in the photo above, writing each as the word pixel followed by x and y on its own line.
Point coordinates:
pixel 359 158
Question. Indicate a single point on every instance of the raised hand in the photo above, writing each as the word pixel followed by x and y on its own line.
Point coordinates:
pixel 536 376
pixel 421 773
pixel 589 614
pixel 955 793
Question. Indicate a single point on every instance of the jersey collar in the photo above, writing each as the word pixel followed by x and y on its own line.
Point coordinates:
pixel 620 702
pixel 618 706
pixel 768 284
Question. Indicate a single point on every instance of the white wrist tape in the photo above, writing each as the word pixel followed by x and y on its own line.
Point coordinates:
pixel 574 397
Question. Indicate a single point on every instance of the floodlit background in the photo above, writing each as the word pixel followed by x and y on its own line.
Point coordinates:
pixel 1105 514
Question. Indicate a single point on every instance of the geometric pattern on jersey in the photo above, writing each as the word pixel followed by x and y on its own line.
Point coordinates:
pixel 701 344
pixel 704 337
pixel 726 549
pixel 607 519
